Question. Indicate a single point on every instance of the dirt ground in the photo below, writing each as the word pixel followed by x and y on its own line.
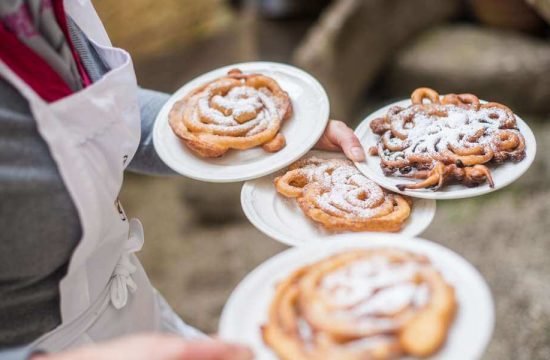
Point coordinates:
pixel 196 263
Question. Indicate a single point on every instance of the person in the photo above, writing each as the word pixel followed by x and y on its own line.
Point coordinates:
pixel 72 120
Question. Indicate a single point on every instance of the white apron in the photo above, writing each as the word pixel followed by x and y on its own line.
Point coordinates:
pixel 92 136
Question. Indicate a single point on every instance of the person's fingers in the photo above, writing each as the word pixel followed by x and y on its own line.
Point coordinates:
pixel 346 139
pixel 340 134
pixel 329 140
pixel 158 347
pixel 138 347
pixel 325 144
pixel 215 350
pixel 155 347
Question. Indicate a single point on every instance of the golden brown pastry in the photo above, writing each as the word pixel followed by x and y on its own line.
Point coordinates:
pixel 335 194
pixel 237 111
pixel 361 304
pixel 445 139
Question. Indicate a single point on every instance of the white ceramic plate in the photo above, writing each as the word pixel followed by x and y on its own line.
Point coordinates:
pixel 310 116
pixel 282 219
pixel 247 308
pixel 503 174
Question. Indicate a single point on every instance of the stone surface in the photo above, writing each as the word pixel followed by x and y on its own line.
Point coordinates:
pixel 542 7
pixel 193 37
pixel 495 65
pixel 508 14
pixel 354 39
pixel 150 28
pixel 214 203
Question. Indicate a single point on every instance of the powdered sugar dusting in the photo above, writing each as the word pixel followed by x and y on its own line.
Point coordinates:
pixel 416 130
pixel 375 289
pixel 242 111
pixel 371 342
pixel 348 192
pixel 307 337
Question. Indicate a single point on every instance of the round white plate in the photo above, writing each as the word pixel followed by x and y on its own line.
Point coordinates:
pixel 503 174
pixel 282 219
pixel 310 116
pixel 247 308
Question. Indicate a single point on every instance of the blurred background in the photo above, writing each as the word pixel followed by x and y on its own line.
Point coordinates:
pixel 366 53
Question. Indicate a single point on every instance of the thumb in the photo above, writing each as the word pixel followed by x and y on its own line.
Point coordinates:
pixel 342 135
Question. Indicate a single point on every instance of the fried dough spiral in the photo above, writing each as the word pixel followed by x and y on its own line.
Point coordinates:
pixel 237 111
pixel 448 138
pixel 361 304
pixel 336 195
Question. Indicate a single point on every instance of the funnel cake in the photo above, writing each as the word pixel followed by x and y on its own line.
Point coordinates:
pixel 442 139
pixel 362 304
pixel 337 195
pixel 237 111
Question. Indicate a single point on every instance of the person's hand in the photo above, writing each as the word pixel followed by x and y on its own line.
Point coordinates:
pixel 154 347
pixel 339 137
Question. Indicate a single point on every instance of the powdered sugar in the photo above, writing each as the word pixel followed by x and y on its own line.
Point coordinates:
pixel 307 336
pixel 374 290
pixel 348 192
pixel 243 110
pixel 441 128
pixel 371 342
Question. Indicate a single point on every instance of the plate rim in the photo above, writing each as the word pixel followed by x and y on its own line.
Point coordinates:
pixel 530 154
pixel 197 175
pixel 409 243
pixel 250 212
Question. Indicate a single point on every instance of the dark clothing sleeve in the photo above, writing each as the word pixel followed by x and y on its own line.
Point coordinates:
pixel 20 353
pixel 146 160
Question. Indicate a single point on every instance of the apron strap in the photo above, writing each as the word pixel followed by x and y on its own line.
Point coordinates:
pixel 122 280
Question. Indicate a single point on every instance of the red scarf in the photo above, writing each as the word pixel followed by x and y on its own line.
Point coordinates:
pixel 32 68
